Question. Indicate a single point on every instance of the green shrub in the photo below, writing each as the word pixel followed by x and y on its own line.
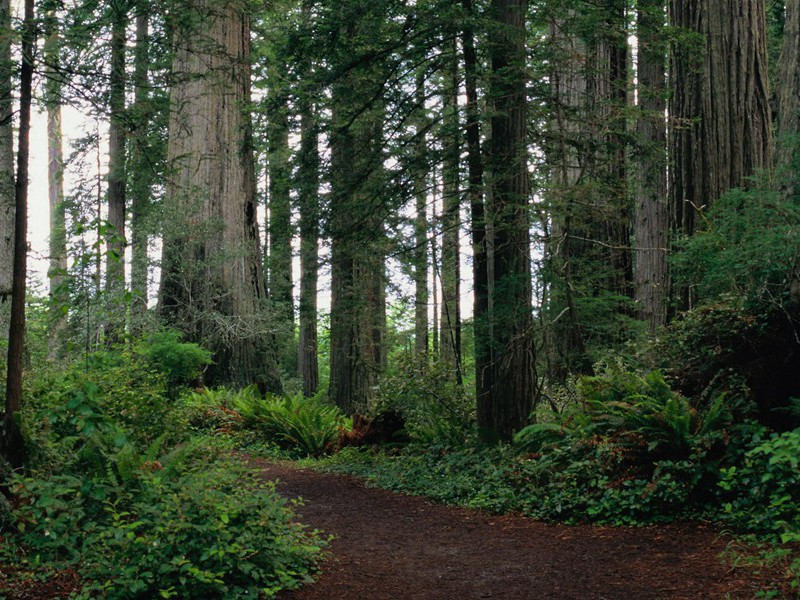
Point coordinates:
pixel 182 363
pixel 155 521
pixel 214 530
pixel 436 410
pixel 765 490
pixel 303 425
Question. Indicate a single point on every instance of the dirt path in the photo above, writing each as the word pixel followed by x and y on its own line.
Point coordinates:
pixel 390 546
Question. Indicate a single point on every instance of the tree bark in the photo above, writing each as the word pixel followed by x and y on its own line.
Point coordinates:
pixel 280 215
pixel 142 171
pixel 721 123
pixel 358 276
pixel 514 379
pixel 308 196
pixel 651 215
pixel 7 194
pixel 480 273
pixel 59 297
pixel 212 281
pixel 115 239
pixel 788 98
pixel 451 218
pixel 12 439
pixel 421 293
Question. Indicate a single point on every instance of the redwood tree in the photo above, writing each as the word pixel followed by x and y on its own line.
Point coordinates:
pixel 212 281
pixel 508 407
pixel 12 440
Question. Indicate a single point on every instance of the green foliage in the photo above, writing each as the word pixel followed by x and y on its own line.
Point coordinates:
pixel 305 426
pixel 630 451
pixel 155 521
pixel 765 489
pixel 181 362
pixel 749 249
pixel 436 409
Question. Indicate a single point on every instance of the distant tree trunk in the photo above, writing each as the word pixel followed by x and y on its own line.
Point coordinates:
pixel 7 201
pixel 280 217
pixel 142 172
pixel 651 215
pixel 451 221
pixel 514 379
pixel 12 438
pixel 115 244
pixel 421 294
pixel 434 247
pixel 55 183
pixel 480 273
pixel 308 196
pixel 212 280
pixel 357 277
pixel 721 124
pixel 358 244
pixel 788 95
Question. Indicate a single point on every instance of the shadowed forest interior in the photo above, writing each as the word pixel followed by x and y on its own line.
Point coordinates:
pixel 530 257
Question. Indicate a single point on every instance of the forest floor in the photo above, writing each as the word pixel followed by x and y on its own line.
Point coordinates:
pixel 389 546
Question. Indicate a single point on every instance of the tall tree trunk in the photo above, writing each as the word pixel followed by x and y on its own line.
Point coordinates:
pixel 212 280
pixel 357 238
pixel 142 171
pixel 451 221
pixel 514 379
pixel 721 124
pixel 55 183
pixel 12 438
pixel 7 201
pixel 588 250
pixel 115 244
pixel 480 273
pixel 651 215
pixel 308 197
pixel 421 294
pixel 280 217
pixel 788 95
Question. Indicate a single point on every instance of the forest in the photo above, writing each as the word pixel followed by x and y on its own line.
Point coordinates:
pixel 376 299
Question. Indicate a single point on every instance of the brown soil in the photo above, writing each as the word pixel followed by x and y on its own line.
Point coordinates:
pixel 389 546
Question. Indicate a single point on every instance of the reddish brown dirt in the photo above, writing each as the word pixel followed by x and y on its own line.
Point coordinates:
pixel 389 546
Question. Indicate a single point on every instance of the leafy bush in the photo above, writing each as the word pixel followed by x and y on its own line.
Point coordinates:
pixel 765 489
pixel 183 522
pixel 630 451
pixel 435 408
pixel 182 363
pixel 306 426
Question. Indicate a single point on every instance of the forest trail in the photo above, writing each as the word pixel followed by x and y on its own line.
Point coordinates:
pixel 389 546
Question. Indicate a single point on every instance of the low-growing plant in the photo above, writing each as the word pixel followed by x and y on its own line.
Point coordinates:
pixel 303 425
pixel 181 362
pixel 184 521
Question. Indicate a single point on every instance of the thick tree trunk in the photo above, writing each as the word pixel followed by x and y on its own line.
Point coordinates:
pixel 721 124
pixel 280 217
pixel 212 281
pixel 7 201
pixel 514 379
pixel 308 195
pixel 357 239
pixel 480 273
pixel 421 292
pixel 451 218
pixel 55 184
pixel 651 215
pixel 142 172
pixel 788 97
pixel 588 250
pixel 12 438
pixel 115 239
